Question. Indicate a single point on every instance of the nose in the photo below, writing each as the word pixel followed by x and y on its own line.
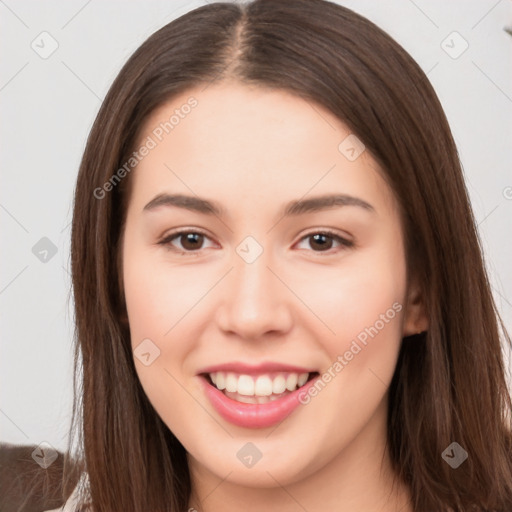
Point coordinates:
pixel 254 301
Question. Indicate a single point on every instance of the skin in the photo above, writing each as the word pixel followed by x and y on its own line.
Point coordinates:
pixel 252 150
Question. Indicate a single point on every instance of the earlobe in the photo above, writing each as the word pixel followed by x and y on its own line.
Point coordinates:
pixel 415 318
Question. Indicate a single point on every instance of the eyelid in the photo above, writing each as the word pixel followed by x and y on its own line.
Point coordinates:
pixel 328 231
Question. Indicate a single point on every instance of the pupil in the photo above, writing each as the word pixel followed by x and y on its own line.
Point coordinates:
pixel 322 245
pixel 192 238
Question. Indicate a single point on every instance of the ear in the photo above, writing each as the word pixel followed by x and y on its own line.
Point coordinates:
pixel 415 317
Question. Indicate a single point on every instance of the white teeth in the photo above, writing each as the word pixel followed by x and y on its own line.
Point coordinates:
pixel 231 382
pixel 245 385
pixel 220 380
pixel 303 378
pixel 291 381
pixel 246 399
pixel 263 386
pixel 279 385
pixel 258 386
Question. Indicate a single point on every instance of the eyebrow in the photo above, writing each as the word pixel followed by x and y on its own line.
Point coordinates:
pixel 293 208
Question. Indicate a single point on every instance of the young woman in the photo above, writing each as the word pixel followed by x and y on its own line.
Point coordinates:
pixel 281 302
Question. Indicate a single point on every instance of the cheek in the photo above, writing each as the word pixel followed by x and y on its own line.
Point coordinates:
pixel 360 302
pixel 163 303
pixel 158 300
pixel 158 295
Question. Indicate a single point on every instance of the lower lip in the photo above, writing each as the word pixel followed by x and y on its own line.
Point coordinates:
pixel 254 415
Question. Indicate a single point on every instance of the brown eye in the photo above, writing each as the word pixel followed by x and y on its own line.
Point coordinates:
pixel 189 241
pixel 323 241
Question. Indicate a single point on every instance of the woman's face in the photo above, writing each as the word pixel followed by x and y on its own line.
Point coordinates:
pixel 253 294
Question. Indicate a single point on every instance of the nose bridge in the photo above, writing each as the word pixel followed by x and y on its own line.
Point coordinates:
pixel 255 300
pixel 252 281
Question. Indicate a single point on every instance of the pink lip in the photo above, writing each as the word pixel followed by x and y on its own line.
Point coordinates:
pixel 254 369
pixel 254 415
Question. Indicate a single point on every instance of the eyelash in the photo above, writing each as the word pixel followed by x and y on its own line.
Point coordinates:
pixel 166 241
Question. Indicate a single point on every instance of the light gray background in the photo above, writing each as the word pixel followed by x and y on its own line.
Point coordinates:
pixel 47 107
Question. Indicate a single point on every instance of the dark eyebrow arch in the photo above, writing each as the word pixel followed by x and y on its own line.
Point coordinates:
pixel 293 208
pixel 192 203
pixel 325 202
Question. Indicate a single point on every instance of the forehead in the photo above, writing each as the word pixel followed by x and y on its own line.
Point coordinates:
pixel 230 115
pixel 257 142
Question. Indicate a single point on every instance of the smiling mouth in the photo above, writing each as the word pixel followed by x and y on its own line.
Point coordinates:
pixel 257 389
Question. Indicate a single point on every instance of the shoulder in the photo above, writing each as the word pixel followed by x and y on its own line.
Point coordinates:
pixel 72 503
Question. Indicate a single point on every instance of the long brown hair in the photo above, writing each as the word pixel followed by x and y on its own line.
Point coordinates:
pixel 450 382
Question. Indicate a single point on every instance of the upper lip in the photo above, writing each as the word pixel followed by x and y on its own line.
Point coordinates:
pixel 254 369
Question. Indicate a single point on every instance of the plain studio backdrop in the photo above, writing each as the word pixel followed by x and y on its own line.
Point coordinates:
pixel 57 60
